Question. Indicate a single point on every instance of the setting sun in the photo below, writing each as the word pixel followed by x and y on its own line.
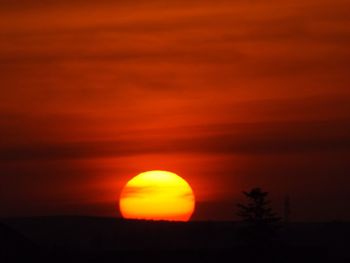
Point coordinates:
pixel 157 195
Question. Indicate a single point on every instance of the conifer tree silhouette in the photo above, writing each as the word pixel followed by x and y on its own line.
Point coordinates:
pixel 259 220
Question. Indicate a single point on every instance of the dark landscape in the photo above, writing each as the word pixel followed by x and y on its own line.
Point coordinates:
pixel 98 239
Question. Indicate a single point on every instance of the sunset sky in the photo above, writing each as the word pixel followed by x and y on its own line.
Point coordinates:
pixel 227 94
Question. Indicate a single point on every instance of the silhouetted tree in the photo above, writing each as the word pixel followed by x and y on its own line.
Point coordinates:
pixel 260 222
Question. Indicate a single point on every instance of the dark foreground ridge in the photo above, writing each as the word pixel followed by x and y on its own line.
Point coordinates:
pixel 94 239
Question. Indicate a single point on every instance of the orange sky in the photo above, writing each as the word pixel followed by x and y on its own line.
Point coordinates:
pixel 227 94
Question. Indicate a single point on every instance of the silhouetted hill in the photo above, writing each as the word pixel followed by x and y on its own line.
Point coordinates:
pixel 82 239
pixel 12 243
pixel 111 234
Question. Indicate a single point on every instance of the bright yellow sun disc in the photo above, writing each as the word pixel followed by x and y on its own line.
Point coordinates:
pixel 157 195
